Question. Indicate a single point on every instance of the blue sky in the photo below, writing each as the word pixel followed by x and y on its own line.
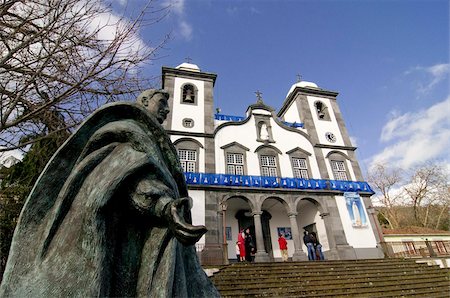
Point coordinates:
pixel 389 61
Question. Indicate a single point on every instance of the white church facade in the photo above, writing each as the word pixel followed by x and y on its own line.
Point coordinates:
pixel 289 171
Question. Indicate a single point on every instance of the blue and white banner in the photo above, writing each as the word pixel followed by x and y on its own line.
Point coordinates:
pixel 355 209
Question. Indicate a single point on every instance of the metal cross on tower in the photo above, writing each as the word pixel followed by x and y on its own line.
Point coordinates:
pixel 188 59
pixel 258 96
pixel 299 77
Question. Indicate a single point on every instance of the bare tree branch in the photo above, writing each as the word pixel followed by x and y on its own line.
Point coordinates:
pixel 62 59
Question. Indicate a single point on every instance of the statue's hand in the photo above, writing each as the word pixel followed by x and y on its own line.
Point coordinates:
pixel 186 233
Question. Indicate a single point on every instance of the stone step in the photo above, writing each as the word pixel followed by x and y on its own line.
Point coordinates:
pixel 381 290
pixel 361 278
pixel 268 283
pixel 341 279
pixel 226 274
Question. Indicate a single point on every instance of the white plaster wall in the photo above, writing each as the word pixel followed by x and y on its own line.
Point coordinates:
pixel 291 114
pixel 232 222
pixel 245 134
pixel 325 126
pixel 181 111
pixel 198 209
pixel 201 153
pixel 279 219
pixel 418 237
pixel 356 237
pixel 309 214
pixel 347 163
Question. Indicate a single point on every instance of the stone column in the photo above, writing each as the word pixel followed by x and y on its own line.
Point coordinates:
pixel 261 254
pixel 299 254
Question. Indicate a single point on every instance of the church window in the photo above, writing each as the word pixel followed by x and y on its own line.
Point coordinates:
pixel 339 170
pixel 235 164
pixel 188 159
pixel 300 168
pixel 322 111
pixel 188 123
pixel 268 165
pixel 189 94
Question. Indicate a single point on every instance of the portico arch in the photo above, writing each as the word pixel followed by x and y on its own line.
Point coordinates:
pixel 311 218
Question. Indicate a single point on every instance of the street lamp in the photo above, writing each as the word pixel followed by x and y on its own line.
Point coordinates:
pixel 223 207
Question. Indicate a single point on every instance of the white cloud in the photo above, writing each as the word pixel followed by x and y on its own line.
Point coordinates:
pixel 186 30
pixel 435 73
pixel 177 7
pixel 414 138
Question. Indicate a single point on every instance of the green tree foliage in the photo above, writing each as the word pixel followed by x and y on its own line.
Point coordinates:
pixel 17 184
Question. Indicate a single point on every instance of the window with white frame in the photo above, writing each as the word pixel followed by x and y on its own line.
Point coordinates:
pixel 268 165
pixel 235 163
pixel 339 171
pixel 300 167
pixel 188 159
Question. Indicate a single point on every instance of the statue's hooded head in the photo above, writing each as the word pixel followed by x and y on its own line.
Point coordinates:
pixel 155 101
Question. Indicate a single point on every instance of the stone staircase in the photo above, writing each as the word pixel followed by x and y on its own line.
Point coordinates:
pixel 355 278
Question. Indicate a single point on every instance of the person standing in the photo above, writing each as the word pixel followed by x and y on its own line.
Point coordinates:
pixel 241 243
pixel 317 246
pixel 283 247
pixel 249 245
pixel 309 245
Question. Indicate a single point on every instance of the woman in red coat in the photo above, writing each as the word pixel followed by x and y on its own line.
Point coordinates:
pixel 241 243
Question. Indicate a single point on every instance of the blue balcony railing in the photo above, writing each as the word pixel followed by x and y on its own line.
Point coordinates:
pixel 222 117
pixel 275 182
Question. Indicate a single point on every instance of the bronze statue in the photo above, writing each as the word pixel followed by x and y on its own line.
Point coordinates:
pixel 110 214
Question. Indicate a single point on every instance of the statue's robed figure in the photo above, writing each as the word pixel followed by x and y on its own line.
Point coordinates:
pixel 109 216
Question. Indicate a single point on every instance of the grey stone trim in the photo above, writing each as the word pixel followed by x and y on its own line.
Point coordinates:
pixel 259 121
pixel 369 253
pixel 267 147
pixel 168 85
pixel 211 218
pixel 305 114
pixel 286 127
pixel 355 166
pixel 335 147
pixel 269 150
pixel 209 107
pixel 299 153
pixel 190 144
pixel 304 91
pixel 235 144
pixel 339 156
pixel 341 124
pixel 210 156
pixel 337 152
pixel 235 148
pixel 189 134
pixel 188 140
pixel 325 109
pixel 168 71
pixel 186 120
pixel 299 150
pixel 195 94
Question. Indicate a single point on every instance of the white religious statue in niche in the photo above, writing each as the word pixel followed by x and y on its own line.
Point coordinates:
pixel 264 132
pixel 357 215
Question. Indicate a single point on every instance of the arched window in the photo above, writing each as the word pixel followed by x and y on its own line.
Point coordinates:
pixel 188 94
pixel 338 163
pixel 235 158
pixel 268 160
pixel 322 111
pixel 300 163
pixel 188 153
